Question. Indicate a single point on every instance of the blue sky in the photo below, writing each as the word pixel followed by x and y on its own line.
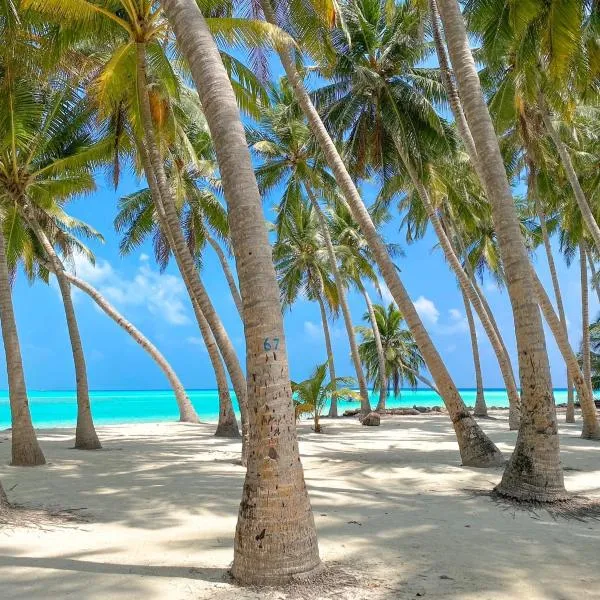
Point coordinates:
pixel 158 305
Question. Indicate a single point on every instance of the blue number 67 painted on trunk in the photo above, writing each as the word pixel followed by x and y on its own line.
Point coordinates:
pixel 271 344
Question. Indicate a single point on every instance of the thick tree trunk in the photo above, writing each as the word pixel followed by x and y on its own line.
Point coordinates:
pixel 480 409
pixel 585 318
pixel 187 413
pixel 534 471
pixel 235 294
pixel 476 449
pixel 380 353
pixel 275 536
pixel 86 437
pixel 333 409
pixel 582 203
pixel 468 289
pixel 570 416
pixel 591 427
pixel 25 451
pixel 365 405
pixel 169 221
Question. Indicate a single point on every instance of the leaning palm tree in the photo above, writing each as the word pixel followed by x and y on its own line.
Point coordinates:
pixel 543 479
pixel 403 361
pixel 275 501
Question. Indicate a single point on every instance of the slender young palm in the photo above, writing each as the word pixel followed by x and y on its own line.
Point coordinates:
pixel 312 394
pixel 475 447
pixel 285 145
pixel 537 447
pixel 403 361
pixel 275 501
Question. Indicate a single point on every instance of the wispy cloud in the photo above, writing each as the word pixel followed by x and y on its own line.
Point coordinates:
pixel 162 295
pixel 427 310
pixel 431 315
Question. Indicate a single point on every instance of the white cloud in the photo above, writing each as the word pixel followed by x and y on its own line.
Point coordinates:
pixel 455 314
pixel 162 295
pixel 313 331
pixel 427 310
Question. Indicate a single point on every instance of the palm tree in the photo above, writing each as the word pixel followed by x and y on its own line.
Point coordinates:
pixel 275 501
pixel 403 361
pixel 542 480
pixel 312 394
pixel 475 447
pixel 285 145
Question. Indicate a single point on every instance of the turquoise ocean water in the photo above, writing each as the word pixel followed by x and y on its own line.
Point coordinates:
pixel 58 409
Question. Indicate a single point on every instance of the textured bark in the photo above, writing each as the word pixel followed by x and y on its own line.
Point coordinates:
pixel 275 536
pixel 365 405
pixel 534 471
pixel 582 203
pixel 480 409
pixel 169 222
pixel 476 449
pixel 467 288
pixel 383 380
pixel 585 318
pixel 86 437
pixel 591 427
pixel 333 409
pixel 235 294
pixel 570 416
pixel 187 413
pixel 25 451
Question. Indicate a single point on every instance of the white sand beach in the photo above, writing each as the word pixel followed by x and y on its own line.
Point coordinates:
pixel 392 505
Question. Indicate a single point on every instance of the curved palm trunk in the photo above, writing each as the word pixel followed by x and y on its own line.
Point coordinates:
pixel 468 289
pixel 86 437
pixel 480 409
pixel 227 271
pixel 333 408
pixel 476 449
pixel 570 416
pixel 565 158
pixel 383 380
pixel 534 471
pixel 591 427
pixel 275 536
pixel 365 405
pixel 25 450
pixel 585 318
pixel 422 378
pixel 187 413
pixel 169 220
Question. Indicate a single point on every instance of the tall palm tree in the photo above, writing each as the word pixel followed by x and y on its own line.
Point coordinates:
pixel 285 145
pixel 403 361
pixel 542 480
pixel 475 447
pixel 275 501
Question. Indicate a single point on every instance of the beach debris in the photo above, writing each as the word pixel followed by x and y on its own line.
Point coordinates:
pixel 372 420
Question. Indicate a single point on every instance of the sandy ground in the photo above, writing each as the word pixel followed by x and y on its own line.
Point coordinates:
pixel 392 507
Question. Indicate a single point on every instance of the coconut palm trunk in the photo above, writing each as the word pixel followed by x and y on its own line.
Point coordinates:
pixel 25 450
pixel 534 471
pixel 275 537
pixel 582 203
pixel 187 413
pixel 169 221
pixel 591 426
pixel 383 380
pixel 468 289
pixel 585 318
pixel 365 405
pixel 570 416
pixel 333 409
pixel 480 409
pixel 476 449
pixel 86 437
pixel 422 379
pixel 227 271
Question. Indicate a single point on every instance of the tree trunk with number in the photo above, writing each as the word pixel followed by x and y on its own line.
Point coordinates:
pixel 333 411
pixel 275 537
pixel 534 471
pixel 86 437
pixel 476 449
pixel 25 449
